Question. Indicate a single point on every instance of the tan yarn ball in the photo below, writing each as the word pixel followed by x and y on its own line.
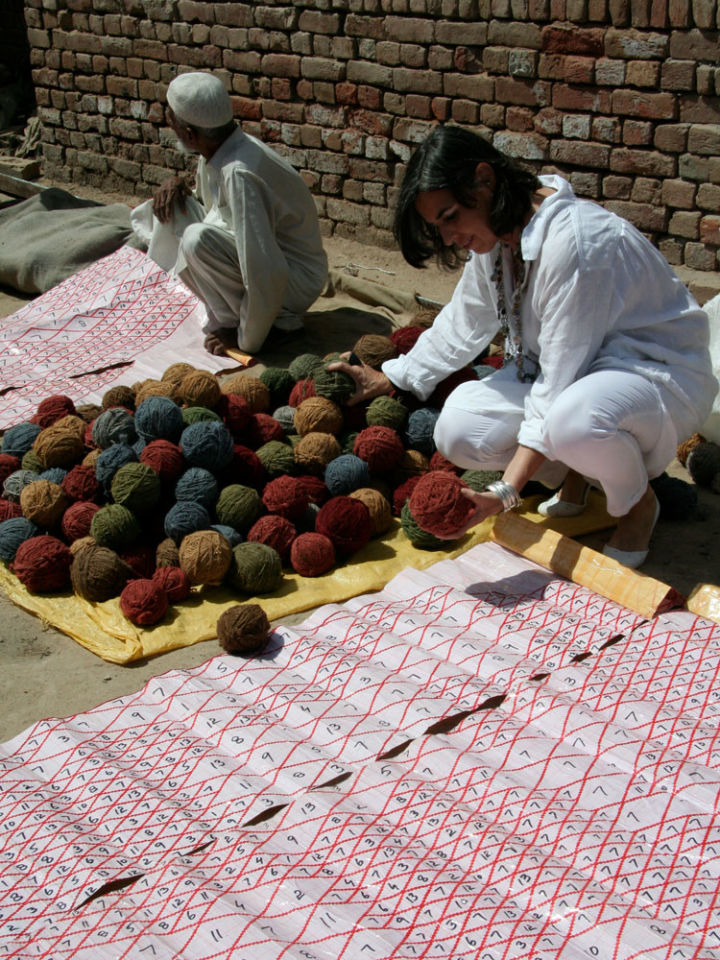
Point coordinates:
pixel 167 554
pixel 120 396
pixel 77 545
pixel 315 450
pixel 205 556
pixel 318 415
pixel 413 464
pixel 176 371
pixel 90 459
pixel 88 411
pixel 44 503
pixel 72 424
pixel 253 391
pixel 378 507
pixel 200 388
pixel 56 447
pixel 685 449
pixel 154 388
pixel 374 349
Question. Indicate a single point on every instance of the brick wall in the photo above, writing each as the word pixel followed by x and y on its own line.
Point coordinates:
pixel 619 95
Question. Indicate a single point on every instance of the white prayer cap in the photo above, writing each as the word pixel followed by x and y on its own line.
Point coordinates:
pixel 200 100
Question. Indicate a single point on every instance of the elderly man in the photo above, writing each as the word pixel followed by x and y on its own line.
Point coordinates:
pixel 248 243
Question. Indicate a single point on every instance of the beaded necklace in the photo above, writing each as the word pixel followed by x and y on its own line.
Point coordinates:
pixel 510 323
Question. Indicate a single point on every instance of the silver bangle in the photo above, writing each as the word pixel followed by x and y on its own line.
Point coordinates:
pixel 509 497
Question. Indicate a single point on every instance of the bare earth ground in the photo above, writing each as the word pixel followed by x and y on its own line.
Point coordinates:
pixel 44 673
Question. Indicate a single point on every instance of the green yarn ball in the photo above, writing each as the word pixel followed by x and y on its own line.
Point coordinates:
pixel 479 479
pixel 304 366
pixel 114 526
pixel 279 382
pixel 386 412
pixel 277 458
pixel 416 535
pixel 136 486
pixel 335 385
pixel 238 507
pixel 192 415
pixel 255 568
pixel 31 461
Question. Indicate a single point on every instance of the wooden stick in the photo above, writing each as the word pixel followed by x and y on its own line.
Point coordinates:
pixel 585 566
pixel 705 601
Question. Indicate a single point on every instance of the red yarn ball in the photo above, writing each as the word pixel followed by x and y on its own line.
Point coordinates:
pixel 439 462
pixel 77 518
pixel 274 531
pixel 52 409
pixel 346 522
pixel 140 557
pixel 301 391
pixel 42 564
pixel 405 338
pixel 9 509
pixel 8 464
pixel 286 496
pixel 235 411
pixel 174 581
pixel 81 483
pixel 443 390
pixel 380 447
pixel 314 487
pixel 143 602
pixel 402 492
pixel 437 504
pixel 245 468
pixel 165 458
pixel 262 428
pixel 312 554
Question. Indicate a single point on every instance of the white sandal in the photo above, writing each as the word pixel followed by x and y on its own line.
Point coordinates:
pixel 555 507
pixel 632 558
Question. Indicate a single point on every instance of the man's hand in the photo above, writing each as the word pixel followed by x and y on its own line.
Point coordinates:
pixel 369 383
pixel 171 191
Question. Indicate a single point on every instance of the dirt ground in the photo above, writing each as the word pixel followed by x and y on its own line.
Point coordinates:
pixel 44 673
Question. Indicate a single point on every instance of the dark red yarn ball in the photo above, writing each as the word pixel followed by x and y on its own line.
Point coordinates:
pixel 174 581
pixel 274 531
pixel 235 411
pixel 402 492
pixel 443 390
pixel 405 338
pixel 380 447
pixel 42 564
pixel 143 602
pixel 81 483
pixel 262 428
pixel 286 496
pixel 140 557
pixel 8 464
pixel 439 462
pixel 346 522
pixel 77 518
pixel 301 391
pixel 8 509
pixel 52 409
pixel 437 504
pixel 87 436
pixel 315 488
pixel 245 468
pixel 165 458
pixel 312 554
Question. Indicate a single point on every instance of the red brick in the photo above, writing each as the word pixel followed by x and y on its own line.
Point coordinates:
pixel 370 98
pixel 643 215
pixel 465 33
pixel 648 162
pixel 316 22
pixel 678 75
pixel 419 106
pixel 559 38
pixel 637 133
pixel 642 73
pixel 579 70
pixel 710 230
pixel 464 111
pixel 577 99
pixel 416 81
pixel 370 27
pixel 579 154
pixel 409 30
pixel 703 110
pixel 519 119
pixel 524 93
pixel 617 188
pixel 346 93
pixel 653 106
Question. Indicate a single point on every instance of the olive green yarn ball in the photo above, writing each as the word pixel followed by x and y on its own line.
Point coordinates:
pixel 114 526
pixel 386 412
pixel 205 557
pixel 416 535
pixel 304 366
pixel 31 461
pixel 479 479
pixel 277 458
pixel 279 382
pixel 238 506
pixel 192 415
pixel 255 568
pixel 136 486
pixel 336 385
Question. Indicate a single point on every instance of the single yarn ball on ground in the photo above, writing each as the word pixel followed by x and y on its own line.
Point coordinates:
pixel 286 497
pixel 374 349
pixel 251 389
pixel 200 388
pixel 277 458
pixel 42 564
pixel 143 602
pixel 318 415
pixel 312 554
pixel 304 365
pixel 255 568
pixel 81 483
pixel 703 463
pixel 315 450
pixel 438 505
pixel 336 385
pixel 243 628
pixel 16 482
pixel 165 458
pixel 52 409
pixel 386 412
pixel 120 396
pixel 199 485
pixel 17 440
pixel 56 447
pixel 420 429
pixel 109 462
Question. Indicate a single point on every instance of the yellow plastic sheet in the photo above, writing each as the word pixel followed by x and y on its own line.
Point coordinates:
pixel 103 629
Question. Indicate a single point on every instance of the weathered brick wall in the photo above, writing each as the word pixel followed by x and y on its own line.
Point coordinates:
pixel 620 95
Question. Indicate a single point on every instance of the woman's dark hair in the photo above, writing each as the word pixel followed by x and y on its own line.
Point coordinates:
pixel 447 159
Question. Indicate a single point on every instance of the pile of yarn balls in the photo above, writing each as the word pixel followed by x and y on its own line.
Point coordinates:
pixel 196 481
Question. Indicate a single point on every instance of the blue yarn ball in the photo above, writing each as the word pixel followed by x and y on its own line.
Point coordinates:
pixel 116 425
pixel 230 533
pixel 185 517
pixel 420 428
pixel 139 446
pixel 19 439
pixel 159 418
pixel 110 461
pixel 54 475
pixel 13 532
pixel 198 485
pixel 345 474
pixel 285 416
pixel 15 483
pixel 207 444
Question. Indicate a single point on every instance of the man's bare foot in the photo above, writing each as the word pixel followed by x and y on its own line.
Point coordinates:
pixel 219 340
pixel 634 530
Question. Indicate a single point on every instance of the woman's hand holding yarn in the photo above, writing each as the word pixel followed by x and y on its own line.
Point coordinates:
pixel 486 505
pixel 369 383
